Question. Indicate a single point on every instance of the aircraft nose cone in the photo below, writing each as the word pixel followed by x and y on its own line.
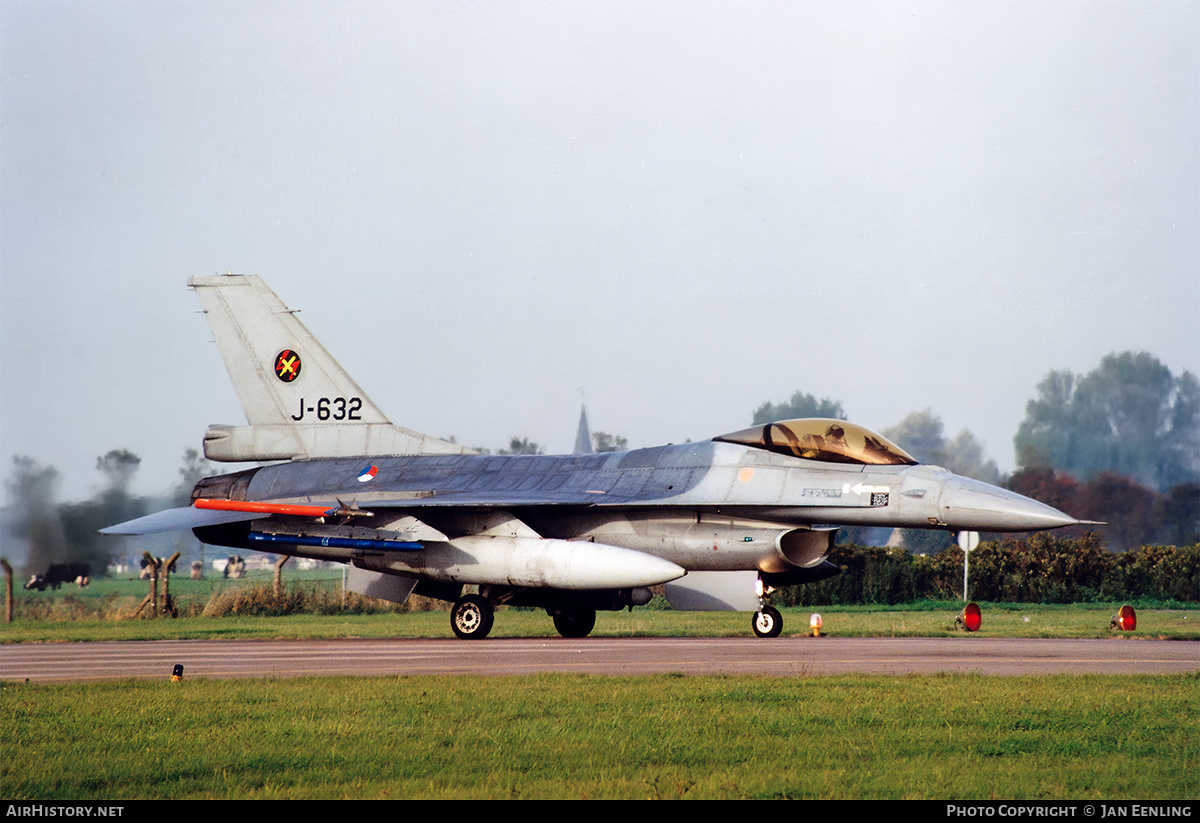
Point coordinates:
pixel 973 505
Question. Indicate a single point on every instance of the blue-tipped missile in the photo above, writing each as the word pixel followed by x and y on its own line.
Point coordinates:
pixel 351 543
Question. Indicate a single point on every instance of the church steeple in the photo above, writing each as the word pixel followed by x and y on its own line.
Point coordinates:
pixel 583 437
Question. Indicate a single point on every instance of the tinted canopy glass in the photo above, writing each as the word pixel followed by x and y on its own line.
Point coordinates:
pixel 833 441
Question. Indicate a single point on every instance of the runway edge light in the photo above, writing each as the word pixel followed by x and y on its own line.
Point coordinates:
pixel 177 673
pixel 814 623
pixel 1124 620
pixel 970 619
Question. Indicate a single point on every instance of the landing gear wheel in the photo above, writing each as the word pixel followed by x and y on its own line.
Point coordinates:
pixel 471 617
pixel 767 622
pixel 575 624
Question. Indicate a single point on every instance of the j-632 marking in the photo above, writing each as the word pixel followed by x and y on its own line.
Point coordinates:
pixel 331 408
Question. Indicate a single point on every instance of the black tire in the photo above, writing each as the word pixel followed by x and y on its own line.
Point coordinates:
pixel 575 624
pixel 471 617
pixel 768 622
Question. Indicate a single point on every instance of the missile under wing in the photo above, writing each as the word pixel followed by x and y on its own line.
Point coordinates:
pixel 720 523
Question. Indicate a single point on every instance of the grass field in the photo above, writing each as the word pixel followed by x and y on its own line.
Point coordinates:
pixel 925 620
pixel 104 612
pixel 563 736
pixel 930 620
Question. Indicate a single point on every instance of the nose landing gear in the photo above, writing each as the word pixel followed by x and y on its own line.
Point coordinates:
pixel 767 622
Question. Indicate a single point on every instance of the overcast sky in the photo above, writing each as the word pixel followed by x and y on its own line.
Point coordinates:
pixel 685 209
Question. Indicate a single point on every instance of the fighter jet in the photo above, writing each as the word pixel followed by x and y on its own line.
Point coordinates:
pixel 720 523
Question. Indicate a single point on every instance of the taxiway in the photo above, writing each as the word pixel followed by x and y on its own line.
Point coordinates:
pixel 780 657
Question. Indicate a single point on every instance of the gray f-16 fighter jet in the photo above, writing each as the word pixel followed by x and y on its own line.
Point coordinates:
pixel 721 523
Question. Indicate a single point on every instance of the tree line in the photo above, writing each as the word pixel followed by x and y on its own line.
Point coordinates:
pixel 60 532
pixel 1119 445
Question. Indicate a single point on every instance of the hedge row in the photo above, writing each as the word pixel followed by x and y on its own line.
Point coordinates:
pixel 1041 568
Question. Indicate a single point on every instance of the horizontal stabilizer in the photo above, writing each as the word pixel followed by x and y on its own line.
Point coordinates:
pixel 236 444
pixel 172 520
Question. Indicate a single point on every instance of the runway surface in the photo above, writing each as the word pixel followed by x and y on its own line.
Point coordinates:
pixel 783 657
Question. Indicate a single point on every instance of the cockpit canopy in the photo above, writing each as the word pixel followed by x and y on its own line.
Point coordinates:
pixel 833 441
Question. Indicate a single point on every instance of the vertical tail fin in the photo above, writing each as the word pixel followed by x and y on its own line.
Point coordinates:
pixel 298 400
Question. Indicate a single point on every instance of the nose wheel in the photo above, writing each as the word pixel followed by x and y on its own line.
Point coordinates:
pixel 767 622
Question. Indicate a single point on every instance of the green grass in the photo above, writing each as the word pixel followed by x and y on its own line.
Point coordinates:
pixel 104 611
pixel 920 620
pixel 565 736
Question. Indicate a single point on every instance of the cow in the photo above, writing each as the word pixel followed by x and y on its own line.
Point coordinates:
pixel 61 573
pixel 235 567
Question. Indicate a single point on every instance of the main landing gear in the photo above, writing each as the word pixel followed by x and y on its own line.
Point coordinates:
pixel 578 623
pixel 471 617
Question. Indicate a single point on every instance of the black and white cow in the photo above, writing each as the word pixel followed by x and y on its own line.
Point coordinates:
pixel 61 573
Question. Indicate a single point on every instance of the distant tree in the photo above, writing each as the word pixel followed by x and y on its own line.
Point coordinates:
pixel 797 406
pixel 1181 458
pixel 114 504
pixel 921 435
pixel 1129 416
pixel 605 442
pixel 521 445
pixel 1126 506
pixel 119 466
pixel 1178 515
pixel 1045 485
pixel 195 467
pixel 1048 436
pixel 1134 516
pixel 964 455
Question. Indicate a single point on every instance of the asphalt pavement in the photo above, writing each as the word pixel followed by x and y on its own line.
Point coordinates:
pixel 781 657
